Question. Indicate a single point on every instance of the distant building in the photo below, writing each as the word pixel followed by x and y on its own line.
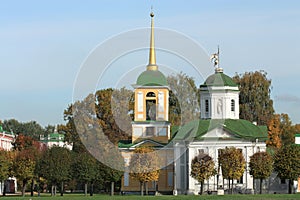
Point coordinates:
pixel 55 139
pixel 297 141
pixel 6 139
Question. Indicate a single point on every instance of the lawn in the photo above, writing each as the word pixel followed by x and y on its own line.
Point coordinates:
pixel 135 197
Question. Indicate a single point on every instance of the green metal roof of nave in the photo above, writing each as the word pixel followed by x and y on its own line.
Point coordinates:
pixel 239 128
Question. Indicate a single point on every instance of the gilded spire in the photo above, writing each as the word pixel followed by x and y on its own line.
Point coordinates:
pixel 152 57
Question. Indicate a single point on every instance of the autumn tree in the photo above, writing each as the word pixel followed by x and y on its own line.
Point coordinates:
pixel 113 108
pixel 287 163
pixel 274 133
pixel 256 104
pixel 202 168
pixel 232 163
pixel 261 166
pixel 24 166
pixel 183 99
pixel 144 166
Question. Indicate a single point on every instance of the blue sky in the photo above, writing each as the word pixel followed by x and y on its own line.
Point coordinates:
pixel 44 43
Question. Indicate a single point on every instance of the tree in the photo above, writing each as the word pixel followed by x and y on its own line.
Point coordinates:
pixel 232 162
pixel 5 166
pixel 202 168
pixel 261 166
pixel 113 108
pixel 31 128
pixel 144 166
pixel 287 130
pixel 256 104
pixel 287 163
pixel 55 166
pixel 183 100
pixel 274 133
pixel 24 166
pixel 85 169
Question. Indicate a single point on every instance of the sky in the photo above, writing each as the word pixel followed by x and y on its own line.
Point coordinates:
pixel 44 44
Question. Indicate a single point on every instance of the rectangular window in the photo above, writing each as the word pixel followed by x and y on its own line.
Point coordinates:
pixel 240 181
pixel 138 132
pixel 140 102
pixel 206 105
pixel 170 179
pixel 150 131
pixel 160 102
pixel 232 105
pixel 162 131
pixel 126 179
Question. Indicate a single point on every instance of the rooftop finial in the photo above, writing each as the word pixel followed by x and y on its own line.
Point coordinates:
pixel 216 61
pixel 152 57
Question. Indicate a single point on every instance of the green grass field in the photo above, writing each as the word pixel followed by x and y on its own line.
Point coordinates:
pixel 135 197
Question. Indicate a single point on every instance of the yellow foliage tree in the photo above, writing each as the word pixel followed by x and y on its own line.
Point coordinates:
pixel 144 166
pixel 274 133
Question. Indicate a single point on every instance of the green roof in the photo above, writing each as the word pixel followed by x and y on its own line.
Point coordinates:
pixel 152 78
pixel 219 79
pixel 238 127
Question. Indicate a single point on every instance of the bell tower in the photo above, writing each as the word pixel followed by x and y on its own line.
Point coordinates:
pixel 151 110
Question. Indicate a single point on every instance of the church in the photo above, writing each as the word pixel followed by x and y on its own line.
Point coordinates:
pixel 218 127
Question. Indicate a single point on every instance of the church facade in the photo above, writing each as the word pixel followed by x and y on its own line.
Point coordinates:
pixel 218 127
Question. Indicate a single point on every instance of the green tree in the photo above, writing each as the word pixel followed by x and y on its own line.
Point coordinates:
pixel 287 163
pixel 202 168
pixel 144 166
pixel 55 166
pixel 5 166
pixel 256 104
pixel 233 163
pixel 85 169
pixel 184 99
pixel 31 128
pixel 261 166
pixel 288 131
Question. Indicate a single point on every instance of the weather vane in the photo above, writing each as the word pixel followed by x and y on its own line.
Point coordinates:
pixel 214 58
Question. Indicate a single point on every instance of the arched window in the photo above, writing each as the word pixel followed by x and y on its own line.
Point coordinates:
pixel 150 94
pixel 232 105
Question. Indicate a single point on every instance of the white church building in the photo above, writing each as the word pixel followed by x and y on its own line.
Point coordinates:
pixel 218 128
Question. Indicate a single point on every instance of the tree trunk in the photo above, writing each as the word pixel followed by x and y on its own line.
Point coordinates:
pixel 52 190
pixel 142 188
pixel 146 188
pixel 290 186
pixel 23 188
pixel 62 189
pixel 4 188
pixel 260 186
pixel 85 189
pixel 55 188
pixel 201 187
pixel 32 187
pixel 92 189
pixel 231 186
pixel 112 188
